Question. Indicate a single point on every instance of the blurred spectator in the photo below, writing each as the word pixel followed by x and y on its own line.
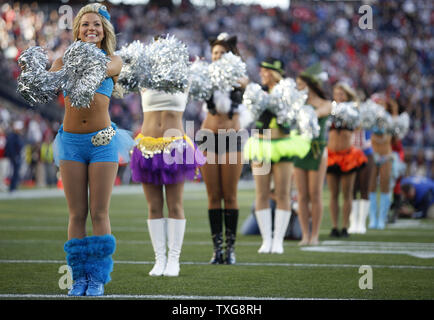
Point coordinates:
pixel 14 146
pixel 419 193
pixel 4 163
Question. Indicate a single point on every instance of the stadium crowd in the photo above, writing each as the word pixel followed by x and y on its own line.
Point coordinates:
pixel 395 57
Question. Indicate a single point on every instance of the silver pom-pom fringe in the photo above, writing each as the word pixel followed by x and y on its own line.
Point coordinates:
pixel 165 65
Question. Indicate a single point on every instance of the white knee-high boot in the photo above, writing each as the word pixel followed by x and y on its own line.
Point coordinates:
pixel 354 216
pixel 263 218
pixel 157 232
pixel 175 238
pixel 363 215
pixel 281 221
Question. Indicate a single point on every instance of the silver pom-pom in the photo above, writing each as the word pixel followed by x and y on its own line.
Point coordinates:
pixel 286 101
pixel 85 66
pixel 256 100
pixel 226 71
pixel 345 115
pixel 368 110
pixel 132 70
pixel 200 84
pixel 374 117
pixel 35 84
pixel 307 122
pixel 401 125
pixel 165 65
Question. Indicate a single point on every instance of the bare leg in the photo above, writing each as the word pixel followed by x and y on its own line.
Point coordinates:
pixel 262 189
pixel 211 176
pixel 282 172
pixel 74 179
pixel 347 190
pixel 385 172
pixel 316 183
pixel 230 175
pixel 174 199
pixel 301 179
pixel 333 182
pixel 364 176
pixel 102 177
pixel 154 199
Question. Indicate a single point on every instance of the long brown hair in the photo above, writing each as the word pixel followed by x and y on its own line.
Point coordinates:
pixel 313 85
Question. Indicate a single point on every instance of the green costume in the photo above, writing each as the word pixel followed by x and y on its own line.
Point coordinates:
pixel 313 159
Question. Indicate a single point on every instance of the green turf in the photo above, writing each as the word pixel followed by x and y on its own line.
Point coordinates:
pixel 35 229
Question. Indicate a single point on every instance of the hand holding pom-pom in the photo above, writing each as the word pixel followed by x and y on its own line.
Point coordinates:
pixel 35 84
pixel 85 66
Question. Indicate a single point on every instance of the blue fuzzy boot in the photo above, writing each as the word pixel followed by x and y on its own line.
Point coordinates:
pixel 373 223
pixel 99 264
pixel 76 257
pixel 384 210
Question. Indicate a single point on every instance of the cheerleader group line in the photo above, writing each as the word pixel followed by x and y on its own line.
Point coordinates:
pixel 290 117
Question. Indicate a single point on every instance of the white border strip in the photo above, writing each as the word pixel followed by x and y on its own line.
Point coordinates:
pixel 152 296
pixel 258 264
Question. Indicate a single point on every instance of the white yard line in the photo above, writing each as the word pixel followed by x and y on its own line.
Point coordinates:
pixel 117 190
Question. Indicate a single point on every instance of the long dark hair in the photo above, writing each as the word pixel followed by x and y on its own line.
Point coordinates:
pixel 230 44
pixel 314 86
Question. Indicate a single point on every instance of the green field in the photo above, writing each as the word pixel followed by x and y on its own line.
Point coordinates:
pixel 33 232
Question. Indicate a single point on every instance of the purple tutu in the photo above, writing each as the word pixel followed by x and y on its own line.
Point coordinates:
pixel 173 163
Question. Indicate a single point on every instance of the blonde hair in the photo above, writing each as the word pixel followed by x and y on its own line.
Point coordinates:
pixel 108 44
pixel 350 92
pixel 277 76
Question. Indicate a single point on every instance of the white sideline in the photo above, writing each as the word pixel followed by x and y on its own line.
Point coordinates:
pixel 263 264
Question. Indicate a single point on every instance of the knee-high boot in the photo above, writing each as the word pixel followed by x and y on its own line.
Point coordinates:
pixel 384 210
pixel 231 221
pixel 157 232
pixel 281 221
pixel 354 216
pixel 99 263
pixel 216 223
pixel 76 256
pixel 363 214
pixel 373 222
pixel 175 238
pixel 264 222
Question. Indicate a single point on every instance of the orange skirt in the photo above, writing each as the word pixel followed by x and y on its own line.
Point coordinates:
pixel 345 161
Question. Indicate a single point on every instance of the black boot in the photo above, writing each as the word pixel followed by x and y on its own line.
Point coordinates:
pixel 216 224
pixel 231 220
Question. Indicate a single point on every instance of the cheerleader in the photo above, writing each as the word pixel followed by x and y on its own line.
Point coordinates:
pixel 87 150
pixel 162 160
pixel 387 165
pixel 343 162
pixel 362 140
pixel 310 170
pixel 221 175
pixel 279 151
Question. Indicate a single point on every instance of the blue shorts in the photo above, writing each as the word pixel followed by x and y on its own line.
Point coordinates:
pixel 78 147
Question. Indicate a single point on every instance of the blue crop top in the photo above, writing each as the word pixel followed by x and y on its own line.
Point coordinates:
pixel 106 87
